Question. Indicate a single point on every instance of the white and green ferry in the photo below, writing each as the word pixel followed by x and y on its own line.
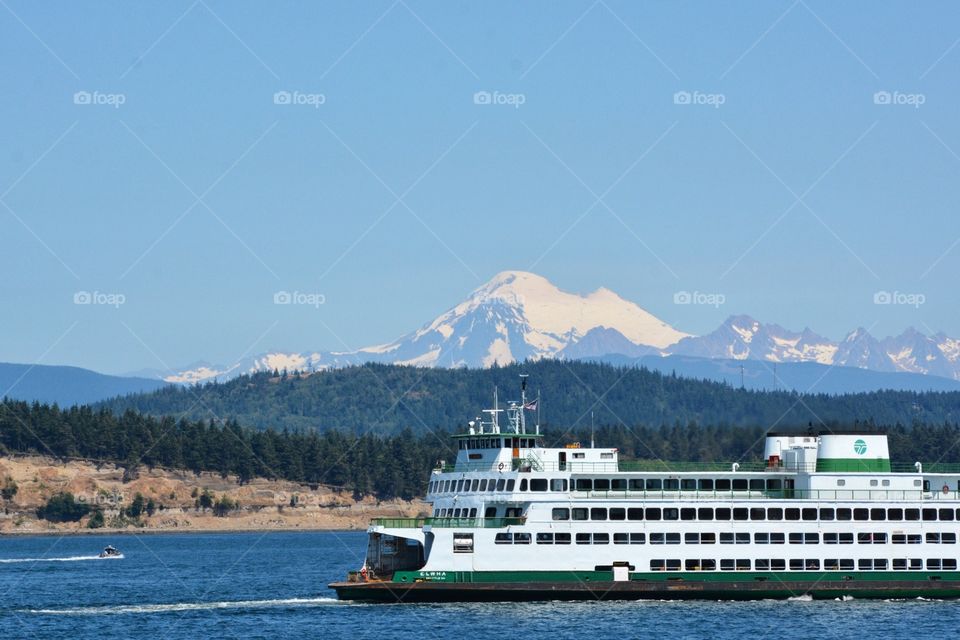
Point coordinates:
pixel 825 515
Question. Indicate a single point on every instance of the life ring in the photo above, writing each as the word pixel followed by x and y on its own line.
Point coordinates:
pixel 500 467
pixel 946 489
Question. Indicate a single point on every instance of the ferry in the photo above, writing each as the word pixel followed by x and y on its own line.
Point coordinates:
pixel 824 515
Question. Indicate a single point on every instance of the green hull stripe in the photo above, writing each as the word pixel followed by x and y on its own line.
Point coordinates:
pixel 867 465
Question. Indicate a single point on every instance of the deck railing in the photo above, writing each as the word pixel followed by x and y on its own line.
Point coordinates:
pixel 446 523
pixel 626 466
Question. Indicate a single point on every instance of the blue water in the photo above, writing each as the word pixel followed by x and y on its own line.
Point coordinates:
pixel 270 585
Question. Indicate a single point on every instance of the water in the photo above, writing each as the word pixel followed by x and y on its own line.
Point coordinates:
pixel 270 585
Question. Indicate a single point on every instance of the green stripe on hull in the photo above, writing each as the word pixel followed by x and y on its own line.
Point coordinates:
pixel 864 465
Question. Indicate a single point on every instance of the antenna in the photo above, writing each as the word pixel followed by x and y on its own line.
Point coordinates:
pixel 741 376
pixel 591 429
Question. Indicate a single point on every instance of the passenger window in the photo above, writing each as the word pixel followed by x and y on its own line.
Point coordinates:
pixel 561 513
pixel 688 513
pixel 635 513
pixel 503 538
pixel 558 484
pixel 740 484
pixel 861 514
pixel 537 484
pixel 688 484
pixel 598 513
pixel 722 513
pixel 601 484
pixel 705 513
pixel 758 513
pixel 706 484
pixel 739 513
pixel 826 514
pixel 654 484
pixel 523 485
pixel 618 484
pixel 671 514
pixel 757 484
pixel 844 514
pixel 483 485
pixel 670 484
pixel 653 513
pixel 878 514
pixel 510 484
pixel 722 484
pixel 501 483
pixel 584 484
pixel 601 538
pixel 792 513
pixel 521 538
pixel 579 513
pixel 544 538
pixel 636 484
pixel 562 538
pixel 774 513
pixel 618 513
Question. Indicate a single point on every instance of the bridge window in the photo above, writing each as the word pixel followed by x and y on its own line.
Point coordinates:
pixel 538 484
pixel 483 485
pixel 523 485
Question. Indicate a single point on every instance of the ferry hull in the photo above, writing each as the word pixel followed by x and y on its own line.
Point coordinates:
pixel 827 587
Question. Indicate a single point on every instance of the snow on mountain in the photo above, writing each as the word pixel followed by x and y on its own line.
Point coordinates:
pixel 519 315
pixel 743 338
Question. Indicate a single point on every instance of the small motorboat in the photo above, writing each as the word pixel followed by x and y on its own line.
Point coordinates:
pixel 110 552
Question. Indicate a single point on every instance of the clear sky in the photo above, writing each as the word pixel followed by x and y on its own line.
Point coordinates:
pixel 146 152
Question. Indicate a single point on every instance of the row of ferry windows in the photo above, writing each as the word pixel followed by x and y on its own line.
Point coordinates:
pixel 798 564
pixel 823 514
pixel 724 538
pixel 476 485
pixel 497 443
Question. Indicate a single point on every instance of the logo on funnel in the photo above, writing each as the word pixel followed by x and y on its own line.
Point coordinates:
pixel 860 447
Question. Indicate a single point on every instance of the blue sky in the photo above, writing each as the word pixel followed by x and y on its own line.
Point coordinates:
pixel 196 199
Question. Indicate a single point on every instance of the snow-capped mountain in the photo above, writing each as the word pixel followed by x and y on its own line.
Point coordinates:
pixel 519 315
pixel 743 338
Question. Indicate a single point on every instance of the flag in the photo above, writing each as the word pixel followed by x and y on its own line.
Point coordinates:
pixel 532 405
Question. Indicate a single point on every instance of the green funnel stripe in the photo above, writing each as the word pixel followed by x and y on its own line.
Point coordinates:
pixel 870 465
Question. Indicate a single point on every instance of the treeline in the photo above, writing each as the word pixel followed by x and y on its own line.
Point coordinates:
pixel 385 466
pixel 390 398
pixel 388 467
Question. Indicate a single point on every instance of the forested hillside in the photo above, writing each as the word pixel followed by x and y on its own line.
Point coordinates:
pixel 385 399
pixel 395 466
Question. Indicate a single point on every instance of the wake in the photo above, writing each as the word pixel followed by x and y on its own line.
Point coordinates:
pixel 67 559
pixel 184 606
